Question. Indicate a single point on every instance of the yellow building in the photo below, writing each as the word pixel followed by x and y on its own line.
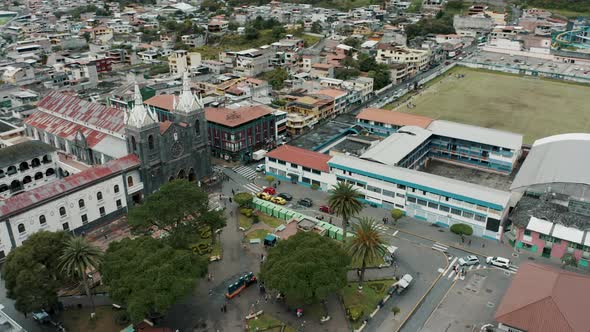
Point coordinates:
pixel 305 112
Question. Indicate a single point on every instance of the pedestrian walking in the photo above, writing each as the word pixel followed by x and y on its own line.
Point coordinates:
pixel 220 196
pixel 233 192
pixel 469 243
pixel 483 245
pixel 225 307
pixel 230 200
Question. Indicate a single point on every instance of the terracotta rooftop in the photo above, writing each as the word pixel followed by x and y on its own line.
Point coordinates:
pixel 237 116
pixel 334 93
pixel 49 191
pixel 165 102
pixel 303 157
pixel 544 299
pixel 394 118
pixel 64 115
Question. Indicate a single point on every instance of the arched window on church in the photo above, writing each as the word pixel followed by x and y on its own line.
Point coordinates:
pixel 198 127
pixel 151 142
pixel 133 144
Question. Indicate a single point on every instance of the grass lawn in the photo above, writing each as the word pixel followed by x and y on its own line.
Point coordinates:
pixel 79 319
pixel 309 40
pixel 367 299
pixel 569 13
pixel 271 221
pixel 526 105
pixel 257 234
pixel 244 221
pixel 264 322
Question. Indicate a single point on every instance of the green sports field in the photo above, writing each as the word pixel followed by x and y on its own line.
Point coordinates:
pixel 530 106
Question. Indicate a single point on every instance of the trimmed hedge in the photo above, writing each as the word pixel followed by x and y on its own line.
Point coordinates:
pixel 462 229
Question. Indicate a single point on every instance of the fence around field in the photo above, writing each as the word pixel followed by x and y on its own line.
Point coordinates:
pixel 524 71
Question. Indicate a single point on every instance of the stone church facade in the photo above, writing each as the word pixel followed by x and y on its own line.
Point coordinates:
pixel 169 150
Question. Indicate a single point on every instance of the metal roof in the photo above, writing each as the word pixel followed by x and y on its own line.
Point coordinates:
pixel 468 192
pixel 494 137
pixel 556 159
pixel 397 146
pixel 13 155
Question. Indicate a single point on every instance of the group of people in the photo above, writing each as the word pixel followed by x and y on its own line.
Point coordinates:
pixel 385 220
pixel 459 270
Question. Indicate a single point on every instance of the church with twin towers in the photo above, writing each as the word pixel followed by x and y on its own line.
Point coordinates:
pixel 173 149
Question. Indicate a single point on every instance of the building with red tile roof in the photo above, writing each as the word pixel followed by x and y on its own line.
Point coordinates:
pixel 298 165
pixel 545 299
pixel 234 134
pixel 73 203
pixel 385 122
pixel 97 131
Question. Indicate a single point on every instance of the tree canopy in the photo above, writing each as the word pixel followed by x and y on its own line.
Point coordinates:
pixel 148 276
pixel 367 246
pixel 344 201
pixel 32 272
pixel 179 209
pixel 306 268
pixel 243 199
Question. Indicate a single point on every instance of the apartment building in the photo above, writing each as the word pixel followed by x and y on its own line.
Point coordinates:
pixel 305 112
pixel 182 61
pixel 417 60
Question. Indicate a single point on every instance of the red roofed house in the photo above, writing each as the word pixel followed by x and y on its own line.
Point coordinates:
pixel 74 203
pixel 385 122
pixel 545 299
pixel 234 134
pixel 299 165
pixel 92 132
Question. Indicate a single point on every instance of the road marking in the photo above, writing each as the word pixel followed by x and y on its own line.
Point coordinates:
pixel 439 247
pixel 471 267
pixel 395 233
pixel 450 265
pixel 246 172
pixel 251 187
pixel 451 274
pixel 441 270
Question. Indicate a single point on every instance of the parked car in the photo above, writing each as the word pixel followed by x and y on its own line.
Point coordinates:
pixel 286 196
pixel 260 168
pixel 269 190
pixel 326 209
pixel 278 200
pixel 41 317
pixel 499 262
pixel 264 196
pixel 307 202
pixel 468 260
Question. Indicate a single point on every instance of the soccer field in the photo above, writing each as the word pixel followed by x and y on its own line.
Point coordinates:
pixel 530 106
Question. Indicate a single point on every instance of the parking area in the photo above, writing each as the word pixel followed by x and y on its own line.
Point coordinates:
pixel 470 303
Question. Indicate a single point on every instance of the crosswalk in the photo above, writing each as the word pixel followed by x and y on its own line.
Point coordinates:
pixel 218 169
pixel 450 274
pixel 439 247
pixel 245 171
pixel 251 187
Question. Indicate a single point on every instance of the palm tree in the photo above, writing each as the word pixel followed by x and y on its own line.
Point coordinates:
pixel 367 246
pixel 77 259
pixel 344 201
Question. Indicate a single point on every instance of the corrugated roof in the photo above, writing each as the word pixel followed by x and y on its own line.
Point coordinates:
pixel 476 134
pixel 394 118
pixel 236 116
pixel 49 191
pixel 303 157
pixel 64 116
pixel 544 299
pixel 556 159
pixel 334 93
pixel 397 145
pixel 13 155
pixel 465 191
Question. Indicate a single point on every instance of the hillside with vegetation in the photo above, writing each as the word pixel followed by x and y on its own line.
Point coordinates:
pixel 568 8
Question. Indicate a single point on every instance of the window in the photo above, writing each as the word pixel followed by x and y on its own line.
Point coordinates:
pixel 527 232
pixel 99 196
pixel 467 214
pixel 119 205
pixel 151 142
pixel 411 200
pixel 81 204
pixel 316 172
pixel 272 159
pixel 307 169
pixel 84 219
pixel 294 165
pixel 62 211
pixel 401 186
pixel 433 205
pixel 198 127
pixel 388 193
pixel 374 189
pixel 305 180
pixel 65 226
pixel 21 228
pixel 480 218
pixel 130 181
pixel 116 189
pixel 133 144
pixel 443 208
pixel 456 211
pixel 400 195
pixel 281 162
pixel 42 220
pixel 422 202
pixel 101 211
